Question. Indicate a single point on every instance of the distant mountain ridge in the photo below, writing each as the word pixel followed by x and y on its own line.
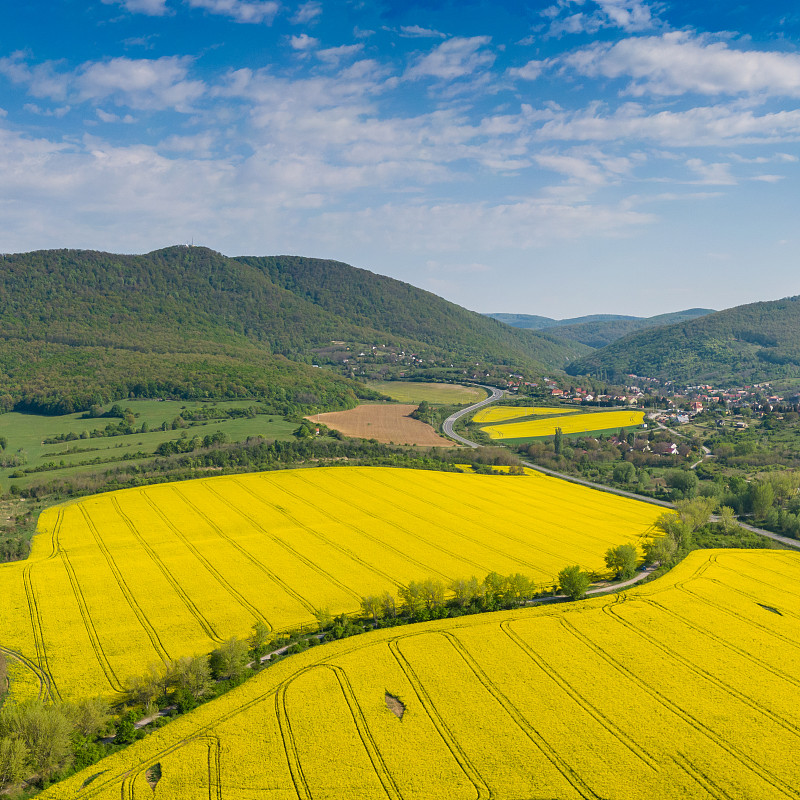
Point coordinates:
pixel 79 327
pixel 597 330
pixel 745 344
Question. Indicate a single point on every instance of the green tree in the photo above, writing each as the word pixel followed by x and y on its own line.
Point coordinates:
pixel 372 606
pixel 683 483
pixel 622 560
pixel 762 497
pixel 193 675
pixel 659 550
pixel 46 732
pixel 324 618
pixel 727 520
pixel 229 660
pixel 558 441
pixel 624 472
pixel 573 582
pixel 14 760
pixel 674 527
pixel 260 637
pixel 465 590
pixel 695 512
pixel 90 716
pixel 389 605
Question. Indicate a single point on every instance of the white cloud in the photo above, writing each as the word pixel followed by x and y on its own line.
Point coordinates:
pixel 769 178
pixel 105 116
pixel 153 8
pixel 629 15
pixel 701 126
pixel 455 58
pixel 42 80
pixel 679 62
pixel 586 166
pixel 245 11
pixel 718 174
pixel 303 42
pixel 529 72
pixel 417 32
pixel 147 84
pixel 333 56
pixel 306 12
pixel 60 111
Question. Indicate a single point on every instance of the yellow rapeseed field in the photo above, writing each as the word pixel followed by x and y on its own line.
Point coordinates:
pixel 121 580
pixel 578 423
pixel 505 413
pixel 686 687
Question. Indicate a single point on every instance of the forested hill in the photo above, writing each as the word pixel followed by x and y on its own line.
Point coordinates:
pixel 600 333
pixel 78 327
pixel 597 330
pixel 750 343
pixel 379 303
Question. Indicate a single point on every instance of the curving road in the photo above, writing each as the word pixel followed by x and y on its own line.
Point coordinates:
pixel 447 425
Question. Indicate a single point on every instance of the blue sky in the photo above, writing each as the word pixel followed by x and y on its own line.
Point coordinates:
pixel 555 158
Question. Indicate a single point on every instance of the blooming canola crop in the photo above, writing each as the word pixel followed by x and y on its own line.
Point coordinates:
pixel 578 423
pixel 505 413
pixel 685 687
pixel 121 580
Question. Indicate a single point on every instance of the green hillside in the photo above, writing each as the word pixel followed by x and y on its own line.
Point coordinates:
pixel 596 330
pixel 79 327
pixel 600 333
pixel 401 310
pixel 750 343
pixel 536 323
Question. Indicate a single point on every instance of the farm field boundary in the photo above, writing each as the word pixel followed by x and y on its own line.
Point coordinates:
pixel 385 423
pixel 681 687
pixel 120 580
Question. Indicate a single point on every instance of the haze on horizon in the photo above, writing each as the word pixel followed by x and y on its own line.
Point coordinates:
pixel 552 158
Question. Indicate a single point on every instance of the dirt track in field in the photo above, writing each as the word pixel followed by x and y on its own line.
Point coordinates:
pixel 386 423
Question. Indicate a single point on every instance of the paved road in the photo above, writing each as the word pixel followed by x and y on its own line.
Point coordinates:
pixel 497 394
pixel 447 425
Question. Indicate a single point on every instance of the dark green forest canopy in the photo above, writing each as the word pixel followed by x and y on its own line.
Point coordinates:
pixel 79 327
pixel 750 343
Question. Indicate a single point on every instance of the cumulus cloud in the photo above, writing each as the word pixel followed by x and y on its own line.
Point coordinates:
pixel 147 84
pixel 631 16
pixel 303 42
pixel 306 12
pixel 529 72
pixel 700 126
pixel 455 58
pixel 333 56
pixel 245 11
pixel 680 62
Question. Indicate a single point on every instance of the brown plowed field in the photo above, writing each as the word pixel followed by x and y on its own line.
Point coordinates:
pixel 386 423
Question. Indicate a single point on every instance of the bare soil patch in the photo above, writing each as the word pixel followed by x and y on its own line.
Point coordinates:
pixel 395 706
pixel 386 423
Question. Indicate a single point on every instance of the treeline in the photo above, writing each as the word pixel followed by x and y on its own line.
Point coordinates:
pixel 45 378
pixel 44 742
pixel 254 454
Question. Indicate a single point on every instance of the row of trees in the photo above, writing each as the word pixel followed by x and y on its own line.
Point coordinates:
pixel 39 741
